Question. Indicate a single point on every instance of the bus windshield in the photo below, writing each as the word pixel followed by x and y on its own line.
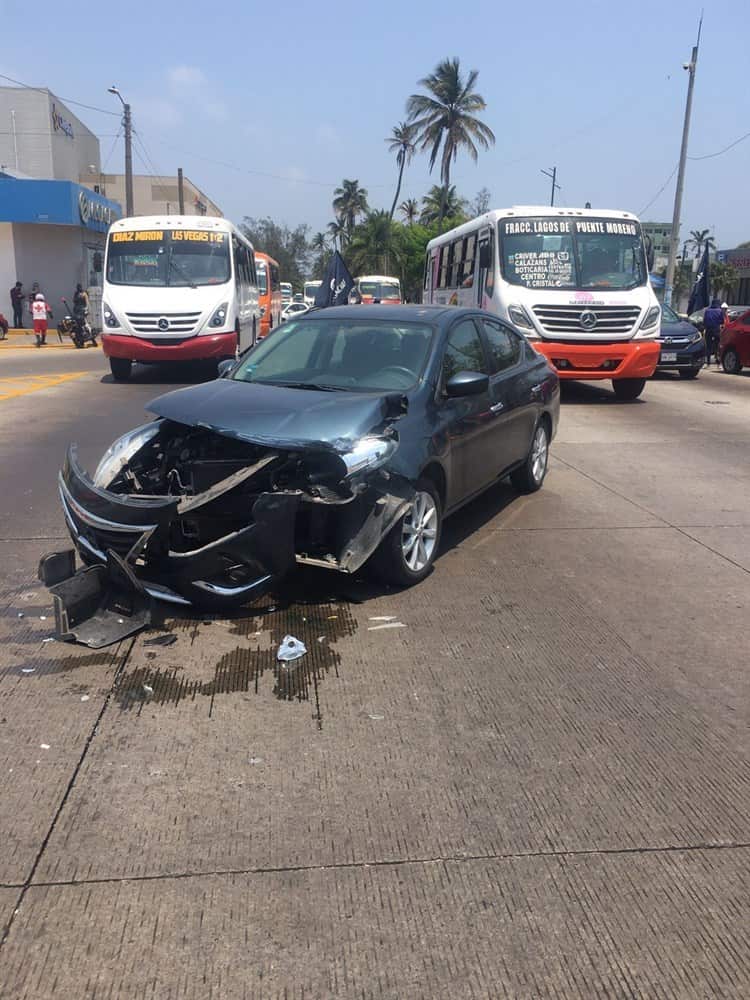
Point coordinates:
pixel 161 257
pixel 380 289
pixel 583 254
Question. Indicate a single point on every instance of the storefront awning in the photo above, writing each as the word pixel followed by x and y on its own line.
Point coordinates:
pixel 56 203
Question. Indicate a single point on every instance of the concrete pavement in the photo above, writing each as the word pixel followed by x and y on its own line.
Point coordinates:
pixel 537 787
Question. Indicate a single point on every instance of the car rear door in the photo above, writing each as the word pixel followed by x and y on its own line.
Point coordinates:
pixel 742 338
pixel 468 421
pixel 513 389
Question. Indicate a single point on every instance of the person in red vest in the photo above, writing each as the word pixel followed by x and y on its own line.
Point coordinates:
pixel 40 312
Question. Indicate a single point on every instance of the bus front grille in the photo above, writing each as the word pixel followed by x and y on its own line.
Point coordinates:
pixel 611 321
pixel 164 323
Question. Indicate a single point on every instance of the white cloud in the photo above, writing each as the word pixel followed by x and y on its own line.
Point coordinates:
pixel 189 84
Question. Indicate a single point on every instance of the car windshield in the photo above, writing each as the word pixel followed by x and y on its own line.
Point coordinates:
pixel 162 257
pixel 360 356
pixel 668 315
pixel 583 254
pixel 380 289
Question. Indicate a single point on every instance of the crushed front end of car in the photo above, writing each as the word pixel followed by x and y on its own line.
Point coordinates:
pixel 192 515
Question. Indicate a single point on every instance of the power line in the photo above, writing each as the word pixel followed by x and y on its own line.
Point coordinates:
pixel 111 151
pixel 154 167
pixel 67 100
pixel 646 207
pixel 731 145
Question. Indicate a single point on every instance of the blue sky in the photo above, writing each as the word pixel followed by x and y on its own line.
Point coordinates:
pixel 307 93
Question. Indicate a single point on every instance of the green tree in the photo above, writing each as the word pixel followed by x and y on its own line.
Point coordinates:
pixel 337 233
pixel 481 203
pixel 701 238
pixel 409 209
pixel 743 246
pixel 349 202
pixel 724 278
pixel 319 243
pixel 401 142
pixel 445 118
pixel 412 243
pixel 373 248
pixel 289 247
pixel 440 203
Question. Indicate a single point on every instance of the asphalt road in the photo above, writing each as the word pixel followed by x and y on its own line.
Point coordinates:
pixel 538 786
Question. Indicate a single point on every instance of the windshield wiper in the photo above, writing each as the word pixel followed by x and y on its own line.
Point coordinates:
pixel 180 270
pixel 310 385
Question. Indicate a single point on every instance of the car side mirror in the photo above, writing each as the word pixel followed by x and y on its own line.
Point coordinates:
pixel 224 367
pixel 467 384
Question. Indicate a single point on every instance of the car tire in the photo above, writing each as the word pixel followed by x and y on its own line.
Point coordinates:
pixel 530 476
pixel 730 362
pixel 406 555
pixel 121 369
pixel 628 389
pixel 688 373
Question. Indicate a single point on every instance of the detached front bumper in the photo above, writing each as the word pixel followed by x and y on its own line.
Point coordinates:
pixel 619 359
pixel 142 532
pixel 199 348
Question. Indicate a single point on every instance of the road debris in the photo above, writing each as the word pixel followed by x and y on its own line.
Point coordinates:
pixel 44 746
pixel 383 618
pixel 21 614
pixel 290 649
pixel 256 760
pixel 85 697
pixel 167 639
pixel 375 628
pixel 49 638
pixel 147 690
pixel 28 670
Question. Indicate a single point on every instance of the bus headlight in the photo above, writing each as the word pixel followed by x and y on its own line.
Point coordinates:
pixel 110 320
pixel 520 318
pixel 219 318
pixel 650 323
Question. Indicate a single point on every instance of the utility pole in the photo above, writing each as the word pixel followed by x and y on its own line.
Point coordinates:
pixel 180 191
pixel 674 241
pixel 552 172
pixel 127 124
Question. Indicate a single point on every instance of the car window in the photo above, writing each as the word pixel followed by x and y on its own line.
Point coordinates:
pixel 504 346
pixel 464 351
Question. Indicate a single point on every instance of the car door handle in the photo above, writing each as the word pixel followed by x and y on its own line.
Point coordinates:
pixel 536 390
pixel 497 407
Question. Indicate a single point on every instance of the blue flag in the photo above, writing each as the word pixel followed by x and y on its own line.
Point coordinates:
pixel 336 285
pixel 700 295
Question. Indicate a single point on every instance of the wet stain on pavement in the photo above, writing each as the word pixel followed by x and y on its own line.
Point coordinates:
pixel 319 624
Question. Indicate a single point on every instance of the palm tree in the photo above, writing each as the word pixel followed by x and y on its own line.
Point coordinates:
pixel 724 278
pixel 440 203
pixel 401 142
pixel 445 117
pixel 349 201
pixel 319 242
pixel 337 232
pixel 372 245
pixel 409 209
pixel 701 238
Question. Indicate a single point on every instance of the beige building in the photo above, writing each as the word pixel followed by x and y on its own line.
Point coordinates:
pixel 155 195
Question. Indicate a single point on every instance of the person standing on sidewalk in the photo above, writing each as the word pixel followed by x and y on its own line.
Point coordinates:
pixel 16 298
pixel 41 313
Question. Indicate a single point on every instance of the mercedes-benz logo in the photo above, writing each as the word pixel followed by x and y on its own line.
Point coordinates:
pixel 587 319
pixel 163 323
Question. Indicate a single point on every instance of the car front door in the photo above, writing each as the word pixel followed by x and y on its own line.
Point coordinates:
pixel 513 390
pixel 466 420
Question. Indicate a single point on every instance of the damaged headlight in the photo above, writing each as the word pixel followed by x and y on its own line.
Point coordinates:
pixel 122 451
pixel 368 453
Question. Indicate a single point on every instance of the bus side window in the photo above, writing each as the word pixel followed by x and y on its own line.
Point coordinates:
pixel 275 278
pixel 467 276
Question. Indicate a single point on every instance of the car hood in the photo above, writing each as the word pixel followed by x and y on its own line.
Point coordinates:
pixel 279 417
pixel 677 330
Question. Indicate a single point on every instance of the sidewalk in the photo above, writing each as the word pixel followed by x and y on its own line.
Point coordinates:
pixel 26 339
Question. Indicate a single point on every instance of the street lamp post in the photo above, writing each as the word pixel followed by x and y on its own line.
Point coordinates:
pixel 127 123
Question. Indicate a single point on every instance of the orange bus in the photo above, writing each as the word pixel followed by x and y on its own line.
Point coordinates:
pixel 269 292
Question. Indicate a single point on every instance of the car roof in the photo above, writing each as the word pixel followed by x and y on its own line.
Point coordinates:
pixel 394 314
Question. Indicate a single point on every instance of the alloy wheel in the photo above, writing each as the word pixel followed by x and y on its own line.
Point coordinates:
pixel 539 454
pixel 419 532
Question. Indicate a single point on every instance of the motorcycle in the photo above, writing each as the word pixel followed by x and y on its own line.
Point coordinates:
pixel 76 326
